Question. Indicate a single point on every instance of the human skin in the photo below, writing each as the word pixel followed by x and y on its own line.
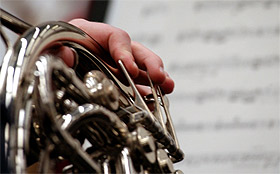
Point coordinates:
pixel 136 58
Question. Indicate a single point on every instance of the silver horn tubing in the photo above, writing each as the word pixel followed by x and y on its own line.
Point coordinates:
pixel 25 53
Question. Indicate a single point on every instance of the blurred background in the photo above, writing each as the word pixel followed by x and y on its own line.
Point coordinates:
pixel 224 58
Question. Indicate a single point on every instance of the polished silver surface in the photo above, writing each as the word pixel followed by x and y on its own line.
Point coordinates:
pixel 83 119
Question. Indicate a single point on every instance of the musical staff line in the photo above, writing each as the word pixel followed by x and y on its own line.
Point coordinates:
pixel 236 123
pixel 235 6
pixel 224 58
pixel 264 160
pixel 225 34
pixel 214 65
pixel 267 93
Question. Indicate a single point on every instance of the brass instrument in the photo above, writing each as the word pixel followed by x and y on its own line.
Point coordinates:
pixel 85 119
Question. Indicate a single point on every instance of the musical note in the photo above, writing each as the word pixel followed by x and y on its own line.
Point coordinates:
pixel 225 34
pixel 224 57
pixel 233 63
pixel 237 6
pixel 268 93
pixel 236 123
pixel 264 161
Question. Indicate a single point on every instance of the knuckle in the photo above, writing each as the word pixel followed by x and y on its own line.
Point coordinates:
pixel 123 33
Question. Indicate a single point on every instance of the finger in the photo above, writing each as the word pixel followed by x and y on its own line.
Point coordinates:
pixel 144 90
pixel 65 53
pixel 167 86
pixel 153 64
pixel 112 39
pixel 149 61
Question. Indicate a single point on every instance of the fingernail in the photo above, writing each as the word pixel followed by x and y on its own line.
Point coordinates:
pixel 135 65
pixel 161 69
pixel 135 71
pixel 167 75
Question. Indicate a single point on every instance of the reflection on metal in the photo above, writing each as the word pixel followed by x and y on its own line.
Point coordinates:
pixel 82 119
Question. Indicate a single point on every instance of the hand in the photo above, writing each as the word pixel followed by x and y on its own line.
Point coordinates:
pixel 136 58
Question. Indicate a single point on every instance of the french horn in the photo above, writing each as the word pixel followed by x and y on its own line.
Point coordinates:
pixel 84 119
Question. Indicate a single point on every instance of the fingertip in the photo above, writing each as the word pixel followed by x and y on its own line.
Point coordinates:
pixel 168 85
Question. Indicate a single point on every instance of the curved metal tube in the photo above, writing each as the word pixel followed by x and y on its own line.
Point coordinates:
pixel 40 93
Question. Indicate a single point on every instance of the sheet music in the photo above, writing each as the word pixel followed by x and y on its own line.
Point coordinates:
pixel 224 58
